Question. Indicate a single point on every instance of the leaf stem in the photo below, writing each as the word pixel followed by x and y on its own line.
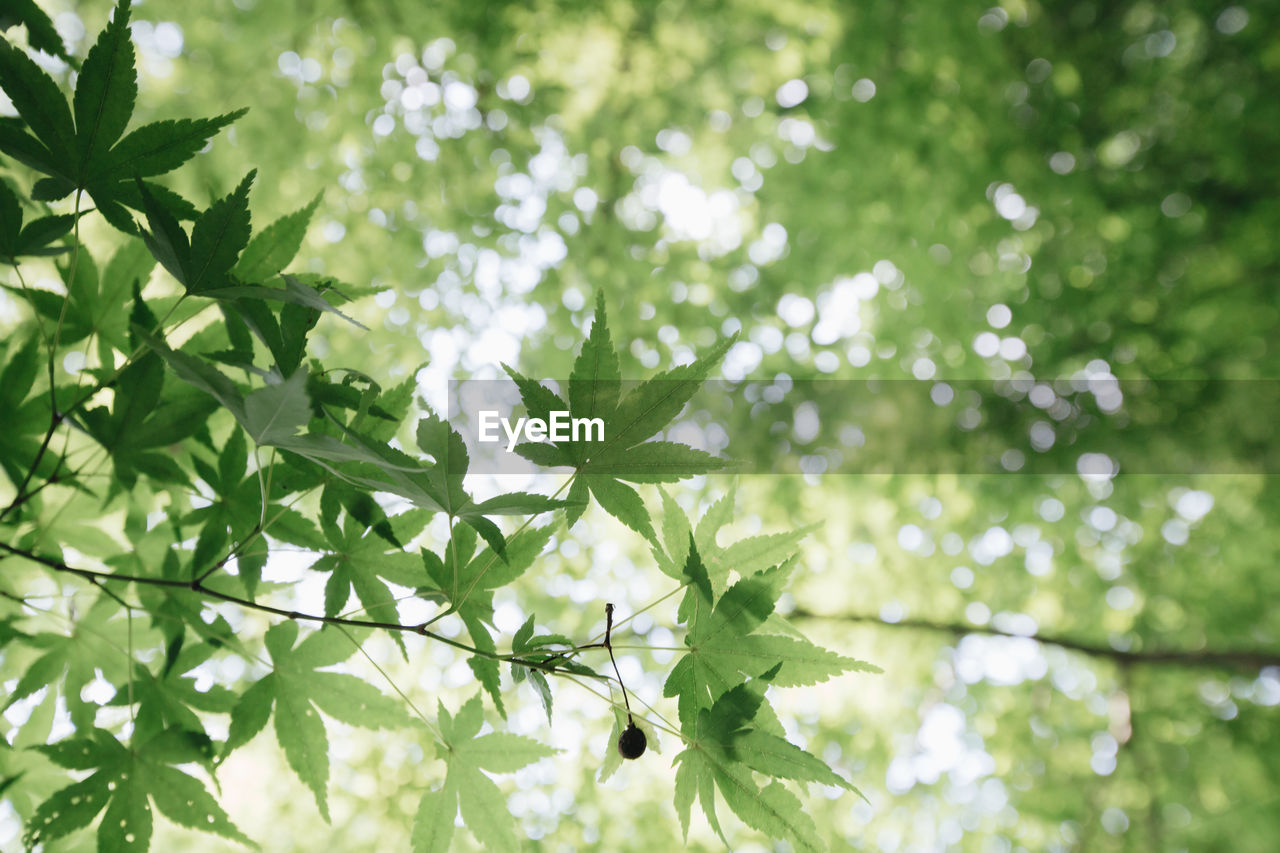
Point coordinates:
pixel 453 552
pixel 22 282
pixel 262 488
pixel 360 648
pixel 71 280
pixel 129 614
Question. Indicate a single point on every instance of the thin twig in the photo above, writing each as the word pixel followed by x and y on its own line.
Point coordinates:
pixel 391 681
pixel 608 630
pixel 206 592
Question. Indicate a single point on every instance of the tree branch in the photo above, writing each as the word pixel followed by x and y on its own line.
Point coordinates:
pixel 1213 658
pixel 195 586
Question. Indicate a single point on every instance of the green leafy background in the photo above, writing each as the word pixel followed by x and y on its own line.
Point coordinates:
pixel 1083 187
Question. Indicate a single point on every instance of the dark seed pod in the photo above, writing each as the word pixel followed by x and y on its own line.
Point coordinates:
pixel 631 742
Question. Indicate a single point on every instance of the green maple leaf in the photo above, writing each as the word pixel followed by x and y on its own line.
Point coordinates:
pixel 299 690
pixel 72 309
pixel 202 262
pixel 478 574
pixel 467 581
pixel 142 424
pixel 236 510
pixel 105 308
pixel 272 416
pixel 381 412
pixel 275 246
pixel 442 485
pixel 596 380
pixel 361 507
pixel 276 411
pixel 24 420
pixel 725 644
pixel 730 730
pixel 773 809
pixel 533 648
pixel 83 146
pixel 69 660
pixel 94 303
pixel 219 258
pixel 82 152
pixel 360 559
pixel 33 239
pixel 40 30
pixel 626 455
pixel 467 788
pixel 127 783
pixel 232 514
pixel 745 556
pixel 284 329
pixel 727 752
pixel 173 692
pixel 298 292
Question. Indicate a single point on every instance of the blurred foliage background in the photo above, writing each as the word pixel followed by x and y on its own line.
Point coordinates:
pixel 1021 193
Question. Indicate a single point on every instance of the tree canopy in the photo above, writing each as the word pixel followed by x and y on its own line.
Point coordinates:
pixel 934 349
